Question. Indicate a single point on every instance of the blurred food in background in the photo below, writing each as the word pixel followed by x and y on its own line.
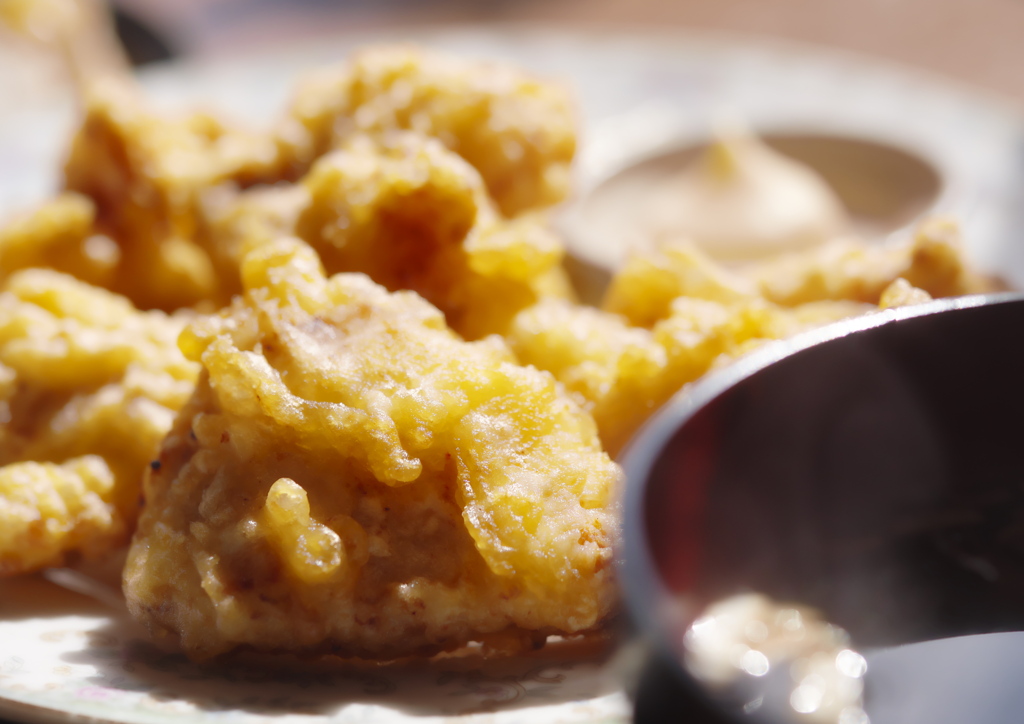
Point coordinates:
pixel 71 41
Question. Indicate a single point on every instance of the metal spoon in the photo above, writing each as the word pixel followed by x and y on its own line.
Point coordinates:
pixel 872 470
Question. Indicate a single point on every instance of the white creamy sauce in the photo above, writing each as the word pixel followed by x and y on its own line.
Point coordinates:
pixel 742 201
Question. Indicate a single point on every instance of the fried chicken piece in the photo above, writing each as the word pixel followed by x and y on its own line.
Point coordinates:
pixel 60 235
pixel 519 133
pixel 88 388
pixel 411 214
pixel 149 178
pixel 352 477
pixel 932 260
pixel 622 374
pixel 145 174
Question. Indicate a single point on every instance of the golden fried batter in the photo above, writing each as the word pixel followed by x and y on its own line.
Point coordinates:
pixel 622 374
pixel 146 173
pixel 60 235
pixel 644 289
pixel 672 315
pixel 49 510
pixel 902 293
pixel 517 132
pixel 932 260
pixel 150 177
pixel 351 476
pixel 88 388
pixel 411 214
pixel 233 222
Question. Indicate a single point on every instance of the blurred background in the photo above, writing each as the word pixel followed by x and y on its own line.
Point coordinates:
pixel 939 80
pixel 977 41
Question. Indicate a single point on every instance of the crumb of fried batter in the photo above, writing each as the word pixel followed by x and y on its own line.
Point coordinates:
pixel 902 293
pixel 88 388
pixel 518 132
pixel 352 477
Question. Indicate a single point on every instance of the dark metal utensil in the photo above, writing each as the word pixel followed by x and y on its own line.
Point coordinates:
pixel 873 470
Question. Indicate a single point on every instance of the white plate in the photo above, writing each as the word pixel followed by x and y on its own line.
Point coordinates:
pixel 64 656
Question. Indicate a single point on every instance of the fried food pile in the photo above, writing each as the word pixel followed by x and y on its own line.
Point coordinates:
pixel 148 175
pixel 351 476
pixel 88 387
pixel 343 361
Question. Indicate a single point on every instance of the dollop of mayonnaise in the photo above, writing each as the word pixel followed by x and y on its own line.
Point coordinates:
pixel 742 201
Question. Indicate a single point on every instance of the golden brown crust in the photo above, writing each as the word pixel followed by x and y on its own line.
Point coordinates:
pixel 88 387
pixel 353 477
pixel 932 260
pixel 518 132
pixel 145 174
pixel 59 234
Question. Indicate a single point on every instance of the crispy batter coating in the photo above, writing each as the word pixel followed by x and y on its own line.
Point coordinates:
pixel 672 315
pixel 48 510
pixel 351 476
pixel 59 235
pixel 644 289
pixel 932 260
pixel 669 317
pixel 88 388
pixel 149 178
pixel 145 174
pixel 519 133
pixel 413 215
pixel 234 222
pixel 622 374
pixel 902 293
